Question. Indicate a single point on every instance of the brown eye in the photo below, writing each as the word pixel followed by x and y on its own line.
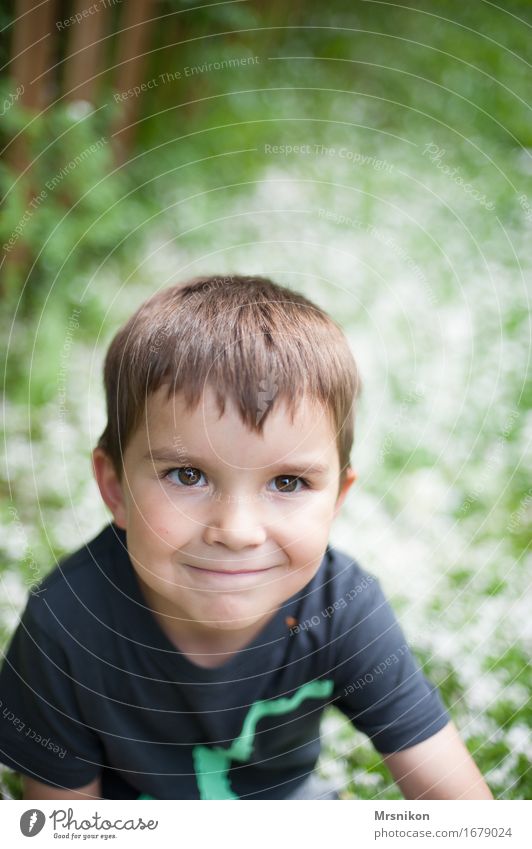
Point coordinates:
pixel 288 483
pixel 186 475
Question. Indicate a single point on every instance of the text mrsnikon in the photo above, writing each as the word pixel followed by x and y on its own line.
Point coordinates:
pixel 407 815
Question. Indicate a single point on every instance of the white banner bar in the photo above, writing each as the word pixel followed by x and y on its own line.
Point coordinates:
pixel 255 825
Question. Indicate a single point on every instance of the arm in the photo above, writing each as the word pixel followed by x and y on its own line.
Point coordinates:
pixel 38 790
pixel 438 768
pixel 38 682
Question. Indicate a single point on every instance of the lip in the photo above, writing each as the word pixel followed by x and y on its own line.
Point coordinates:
pixel 229 580
pixel 230 571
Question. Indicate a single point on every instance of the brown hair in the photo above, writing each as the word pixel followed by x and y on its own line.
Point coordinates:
pixel 246 337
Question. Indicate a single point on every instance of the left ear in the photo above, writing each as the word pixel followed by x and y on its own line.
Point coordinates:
pixel 350 478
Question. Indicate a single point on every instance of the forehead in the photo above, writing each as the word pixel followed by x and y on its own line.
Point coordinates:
pixel 167 423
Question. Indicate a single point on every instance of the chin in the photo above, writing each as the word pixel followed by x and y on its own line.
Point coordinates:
pixel 231 617
pixel 228 627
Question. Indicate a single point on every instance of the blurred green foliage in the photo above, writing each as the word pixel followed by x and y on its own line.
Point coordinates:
pixel 383 79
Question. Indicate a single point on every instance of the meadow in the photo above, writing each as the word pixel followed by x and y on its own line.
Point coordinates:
pixel 382 165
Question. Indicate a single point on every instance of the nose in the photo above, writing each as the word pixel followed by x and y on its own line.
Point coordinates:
pixel 235 523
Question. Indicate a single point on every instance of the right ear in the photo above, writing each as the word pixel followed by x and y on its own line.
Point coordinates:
pixel 109 486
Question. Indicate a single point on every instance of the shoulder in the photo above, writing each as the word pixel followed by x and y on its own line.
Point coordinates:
pixel 342 577
pixel 342 596
pixel 78 588
pixel 352 599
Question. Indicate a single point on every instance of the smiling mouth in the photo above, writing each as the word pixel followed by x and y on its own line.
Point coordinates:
pixel 230 571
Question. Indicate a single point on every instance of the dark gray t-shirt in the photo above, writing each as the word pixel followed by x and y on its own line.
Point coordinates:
pixel 92 685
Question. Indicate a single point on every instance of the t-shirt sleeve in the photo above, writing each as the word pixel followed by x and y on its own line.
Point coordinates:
pixel 380 685
pixel 42 733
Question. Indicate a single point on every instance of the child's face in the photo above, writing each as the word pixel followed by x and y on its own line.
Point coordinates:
pixel 209 530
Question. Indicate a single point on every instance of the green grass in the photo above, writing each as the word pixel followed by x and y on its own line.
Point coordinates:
pixel 428 284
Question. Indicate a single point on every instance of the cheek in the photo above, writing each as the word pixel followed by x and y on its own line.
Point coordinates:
pixel 174 517
pixel 307 533
pixel 155 543
pixel 152 504
pixel 159 520
pixel 314 511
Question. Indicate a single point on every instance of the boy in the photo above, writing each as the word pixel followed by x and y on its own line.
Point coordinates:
pixel 189 650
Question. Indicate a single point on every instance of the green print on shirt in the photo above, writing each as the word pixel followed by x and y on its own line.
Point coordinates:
pixel 212 765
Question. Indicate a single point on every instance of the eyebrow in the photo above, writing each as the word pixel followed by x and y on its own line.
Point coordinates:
pixel 298 467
